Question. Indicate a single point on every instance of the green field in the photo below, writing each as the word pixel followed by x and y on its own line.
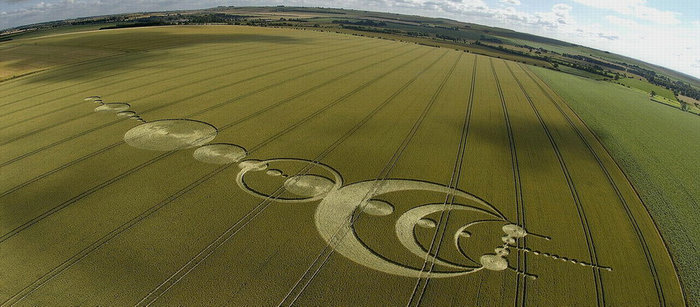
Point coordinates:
pixel 641 134
pixel 648 87
pixel 232 165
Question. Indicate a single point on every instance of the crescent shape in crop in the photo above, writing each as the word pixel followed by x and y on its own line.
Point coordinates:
pixel 335 212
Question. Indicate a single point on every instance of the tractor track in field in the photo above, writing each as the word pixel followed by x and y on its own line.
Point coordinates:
pixel 248 217
pixel 613 185
pixel 160 92
pixel 434 247
pixel 218 55
pixel 82 158
pixel 65 107
pixel 103 240
pixel 521 292
pixel 600 294
pixel 162 156
pixel 161 106
pixel 323 257
pixel 183 58
pixel 102 62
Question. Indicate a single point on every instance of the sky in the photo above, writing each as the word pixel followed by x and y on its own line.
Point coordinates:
pixel 662 32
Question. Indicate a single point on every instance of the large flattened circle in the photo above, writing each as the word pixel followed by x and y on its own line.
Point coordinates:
pixel 170 134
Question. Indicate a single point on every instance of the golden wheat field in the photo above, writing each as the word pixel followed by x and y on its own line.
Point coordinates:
pixel 233 165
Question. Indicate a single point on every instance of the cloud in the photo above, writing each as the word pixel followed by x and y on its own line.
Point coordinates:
pixel 636 8
pixel 608 36
pixel 513 2
pixel 623 22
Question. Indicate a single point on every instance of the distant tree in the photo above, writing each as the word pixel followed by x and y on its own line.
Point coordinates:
pixel 652 94
pixel 684 105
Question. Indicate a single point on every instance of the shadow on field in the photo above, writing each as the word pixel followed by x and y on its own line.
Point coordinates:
pixel 109 51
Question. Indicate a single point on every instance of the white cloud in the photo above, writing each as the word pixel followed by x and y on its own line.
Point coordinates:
pixel 512 2
pixel 636 8
pixel 621 21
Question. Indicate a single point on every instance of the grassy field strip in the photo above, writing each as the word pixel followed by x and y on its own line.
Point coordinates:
pixel 590 140
pixel 521 266
pixel 101 62
pixel 149 212
pixel 151 64
pixel 541 174
pixel 262 206
pixel 140 84
pixel 436 241
pixel 574 193
pixel 325 254
pixel 114 179
pixel 160 106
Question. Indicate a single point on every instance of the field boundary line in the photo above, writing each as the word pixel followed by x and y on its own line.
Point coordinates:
pixel 338 236
pixel 600 294
pixel 71 261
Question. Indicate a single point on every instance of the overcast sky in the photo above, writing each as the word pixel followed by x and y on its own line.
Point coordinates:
pixel 663 32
